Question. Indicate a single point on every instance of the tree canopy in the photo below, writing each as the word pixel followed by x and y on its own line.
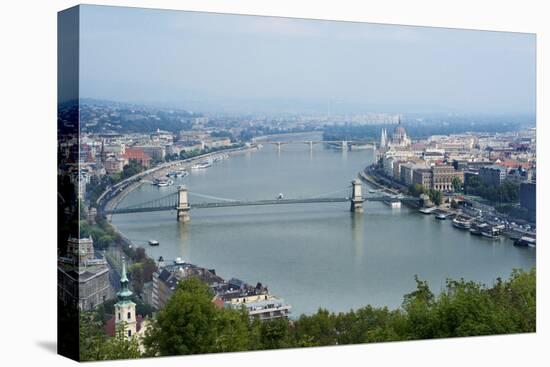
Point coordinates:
pixel 190 323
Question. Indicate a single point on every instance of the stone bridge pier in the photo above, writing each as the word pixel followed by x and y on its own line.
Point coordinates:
pixel 356 197
pixel 183 205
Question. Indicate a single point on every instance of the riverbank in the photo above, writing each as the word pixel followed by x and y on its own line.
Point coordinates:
pixel 383 184
pixel 116 193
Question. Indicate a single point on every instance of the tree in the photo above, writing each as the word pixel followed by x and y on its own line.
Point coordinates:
pixel 416 190
pixel 457 184
pixel 132 168
pixel 190 324
pixel 95 345
pixel 274 334
pixel 232 331
pixel 435 196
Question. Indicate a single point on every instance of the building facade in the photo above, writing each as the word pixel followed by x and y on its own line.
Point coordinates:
pixel 82 277
pixel 443 175
pixel 492 175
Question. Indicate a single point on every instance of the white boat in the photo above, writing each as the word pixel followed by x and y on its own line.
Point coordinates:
pixel 525 242
pixel 427 210
pixel 153 243
pixel 163 182
pixel 461 222
pixel 280 196
pixel 201 165
pixel 491 232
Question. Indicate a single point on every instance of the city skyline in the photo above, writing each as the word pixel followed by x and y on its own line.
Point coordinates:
pixel 219 62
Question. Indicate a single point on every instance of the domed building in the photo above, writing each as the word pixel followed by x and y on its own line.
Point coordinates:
pixel 399 138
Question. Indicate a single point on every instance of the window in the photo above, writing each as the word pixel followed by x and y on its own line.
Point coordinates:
pixel 129 333
pixel 129 315
pixel 119 315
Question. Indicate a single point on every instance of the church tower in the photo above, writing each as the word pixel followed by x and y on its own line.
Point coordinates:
pixel 125 309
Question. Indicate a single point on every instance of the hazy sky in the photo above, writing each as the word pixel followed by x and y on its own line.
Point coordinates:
pixel 210 61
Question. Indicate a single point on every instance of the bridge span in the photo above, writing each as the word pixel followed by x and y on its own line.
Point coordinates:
pixel 179 201
pixel 344 144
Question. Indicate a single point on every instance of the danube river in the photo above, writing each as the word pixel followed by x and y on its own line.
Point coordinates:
pixel 314 255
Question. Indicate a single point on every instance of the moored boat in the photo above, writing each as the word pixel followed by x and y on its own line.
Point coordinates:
pixel 525 241
pixel 476 228
pixel 462 222
pixel 201 165
pixel 427 210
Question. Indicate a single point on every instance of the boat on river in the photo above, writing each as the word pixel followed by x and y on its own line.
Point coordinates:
pixel 201 165
pixel 490 231
pixel 525 241
pixel 153 243
pixel 427 210
pixel 462 222
pixel 163 182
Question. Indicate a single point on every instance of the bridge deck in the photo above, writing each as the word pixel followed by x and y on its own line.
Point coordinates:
pixel 226 204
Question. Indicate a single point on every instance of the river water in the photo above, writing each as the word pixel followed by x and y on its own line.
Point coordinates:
pixel 314 255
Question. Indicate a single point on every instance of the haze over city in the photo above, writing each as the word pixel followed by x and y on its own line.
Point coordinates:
pixel 231 63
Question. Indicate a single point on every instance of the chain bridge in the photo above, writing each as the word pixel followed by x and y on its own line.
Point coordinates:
pixel 179 201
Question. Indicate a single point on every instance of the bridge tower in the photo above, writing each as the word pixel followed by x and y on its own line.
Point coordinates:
pixel 356 197
pixel 183 205
pixel 344 145
pixel 310 146
pixel 279 146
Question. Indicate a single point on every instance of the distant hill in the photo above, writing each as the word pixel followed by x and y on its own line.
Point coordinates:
pixel 98 116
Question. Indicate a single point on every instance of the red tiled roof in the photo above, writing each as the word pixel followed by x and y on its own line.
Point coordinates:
pixel 514 164
pixel 138 154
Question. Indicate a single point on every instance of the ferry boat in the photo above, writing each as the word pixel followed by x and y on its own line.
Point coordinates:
pixel 461 222
pixel 525 242
pixel 476 228
pixel 280 196
pixel 490 231
pixel 153 243
pixel 201 165
pixel 163 182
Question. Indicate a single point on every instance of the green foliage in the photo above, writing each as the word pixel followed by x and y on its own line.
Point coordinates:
pixel 416 190
pixel 102 238
pixel 457 184
pixel 274 334
pixel 95 345
pixel 507 192
pixel 435 196
pixel 132 168
pixel 190 323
